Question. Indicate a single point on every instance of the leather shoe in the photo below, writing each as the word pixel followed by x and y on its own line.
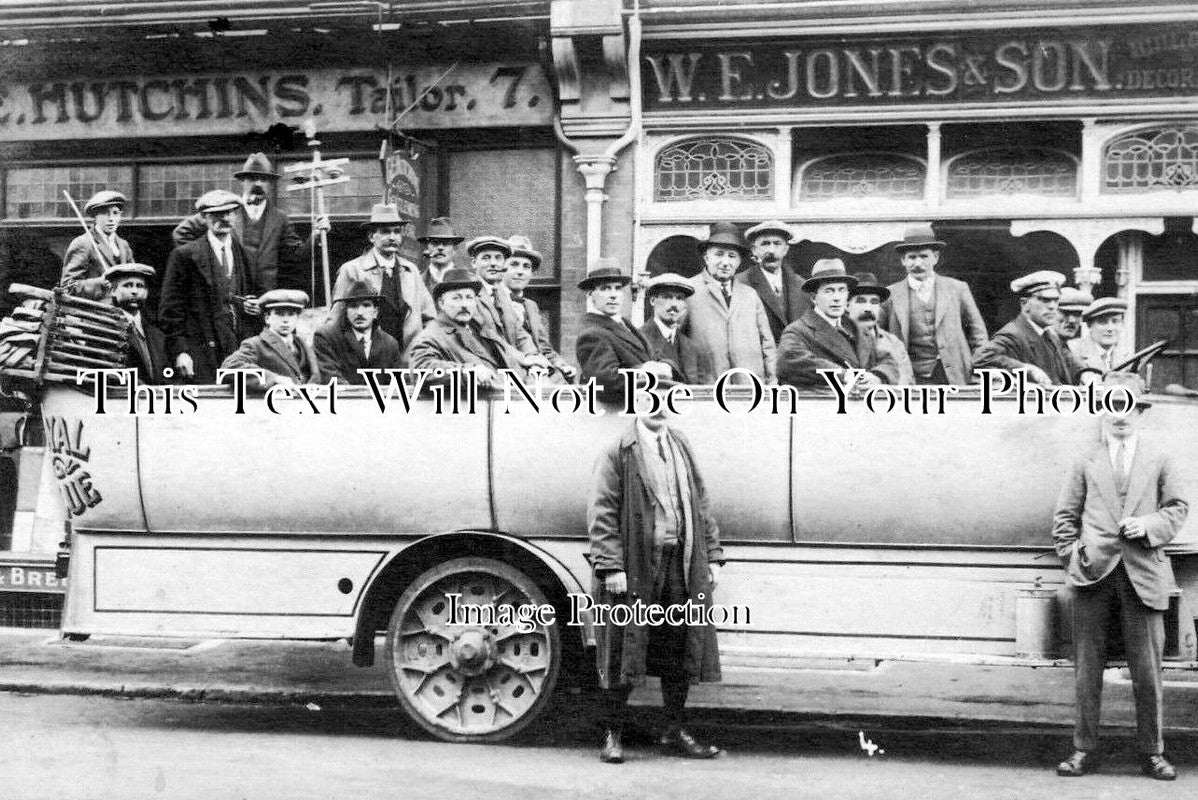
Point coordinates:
pixel 1158 768
pixel 613 749
pixel 682 743
pixel 1078 764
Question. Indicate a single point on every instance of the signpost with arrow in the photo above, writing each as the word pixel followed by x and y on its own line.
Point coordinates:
pixel 314 175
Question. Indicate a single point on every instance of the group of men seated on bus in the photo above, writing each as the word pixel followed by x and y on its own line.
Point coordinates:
pixel 229 300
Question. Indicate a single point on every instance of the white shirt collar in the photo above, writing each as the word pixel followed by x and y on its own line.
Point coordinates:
pixel 1113 447
pixel 218 245
pixel 649 439
pixel 255 212
pixel 1039 331
pixel 921 286
pixel 835 323
pixel 439 274
pixel 669 333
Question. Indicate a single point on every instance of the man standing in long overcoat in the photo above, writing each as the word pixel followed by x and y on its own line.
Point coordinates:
pixel 653 540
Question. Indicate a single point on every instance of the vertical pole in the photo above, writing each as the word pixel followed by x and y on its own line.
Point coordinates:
pixel 931 189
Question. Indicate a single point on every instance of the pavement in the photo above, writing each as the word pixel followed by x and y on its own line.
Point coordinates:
pixel 905 693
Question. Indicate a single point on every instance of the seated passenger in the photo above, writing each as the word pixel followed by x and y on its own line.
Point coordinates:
pixel 1100 348
pixel 1028 342
pixel 356 341
pixel 286 359
pixel 824 338
pixel 1072 306
pixel 865 309
pixel 521 264
pixel 667 295
pixel 455 341
pixel 147 345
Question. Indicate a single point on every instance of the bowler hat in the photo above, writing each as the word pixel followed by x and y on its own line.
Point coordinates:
pixel 358 290
pixel 257 164
pixel 602 271
pixel 1104 307
pixel 457 278
pixel 283 298
pixel 669 280
pixel 867 283
pixel 522 246
pixel 770 226
pixel 385 214
pixel 1074 299
pixel 1037 282
pixel 725 234
pixel 104 199
pixel 828 270
pixel 218 200
pixel 919 238
pixel 118 271
pixel 441 230
pixel 488 243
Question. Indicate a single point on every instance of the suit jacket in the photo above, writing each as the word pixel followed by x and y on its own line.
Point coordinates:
pixel 147 352
pixel 681 355
pixel 727 336
pixel 890 344
pixel 426 275
pixel 406 310
pixel 780 311
pixel 536 327
pixel 270 353
pixel 81 263
pixel 443 346
pixel 604 347
pixel 1085 530
pixel 279 257
pixel 960 329
pixel 194 317
pixel 340 355
pixel 1016 345
pixel 810 343
pixel 1090 354
pixel 497 310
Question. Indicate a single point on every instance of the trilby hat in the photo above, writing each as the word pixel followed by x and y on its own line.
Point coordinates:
pixel 918 238
pixel 868 283
pixel 602 271
pixel 828 270
pixel 725 234
pixel 440 229
pixel 385 214
pixel 257 164
pixel 457 278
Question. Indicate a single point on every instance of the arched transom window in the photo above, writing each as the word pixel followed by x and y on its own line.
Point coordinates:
pixel 717 167
pixel 865 174
pixel 1005 170
pixel 1158 158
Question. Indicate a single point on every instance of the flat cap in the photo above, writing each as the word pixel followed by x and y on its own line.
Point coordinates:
pixel 1036 282
pixel 283 298
pixel 1074 299
pixel 488 243
pixel 522 246
pixel 1104 307
pixel 104 199
pixel 669 280
pixel 118 271
pixel 217 200
pixel 770 226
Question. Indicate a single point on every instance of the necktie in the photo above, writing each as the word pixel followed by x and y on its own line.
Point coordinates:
pixel 661 449
pixel 364 345
pixel 727 290
pixel 1121 466
pixel 778 290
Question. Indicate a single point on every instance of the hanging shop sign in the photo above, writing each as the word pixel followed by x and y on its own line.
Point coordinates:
pixel 436 96
pixel 985 67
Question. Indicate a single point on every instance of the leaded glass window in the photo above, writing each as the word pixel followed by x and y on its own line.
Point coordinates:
pixel 171 190
pixel 1158 158
pixel 891 175
pixel 699 169
pixel 37 192
pixel 1004 171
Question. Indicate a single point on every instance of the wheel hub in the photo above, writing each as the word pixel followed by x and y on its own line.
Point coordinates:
pixel 473 651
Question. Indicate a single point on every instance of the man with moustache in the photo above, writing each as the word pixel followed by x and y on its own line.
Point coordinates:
pixel 607 341
pixel 825 338
pixel 91 253
pixel 284 358
pixel 1071 306
pixel 726 319
pixel 357 343
pixel 147 345
pixel 780 289
pixel 934 315
pixel 488 259
pixel 667 294
pixel 457 342
pixel 1029 342
pixel 275 251
pixel 521 264
pixel 865 307
pixel 210 291
pixel 440 243
pixel 1101 348
pixel 406 306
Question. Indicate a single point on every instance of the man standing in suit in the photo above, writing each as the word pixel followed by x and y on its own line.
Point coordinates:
pixel 89 254
pixel 439 243
pixel 865 308
pixel 779 288
pixel 406 305
pixel 935 316
pixel 521 264
pixel 607 341
pixel 275 251
pixel 1101 348
pixel 209 293
pixel 825 338
pixel 357 343
pixel 457 342
pixel 667 294
pixel 147 345
pixel 726 320
pixel 285 358
pixel 1121 503
pixel 1029 342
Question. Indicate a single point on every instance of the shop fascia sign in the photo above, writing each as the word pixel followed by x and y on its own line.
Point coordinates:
pixel 989 67
pixel 464 96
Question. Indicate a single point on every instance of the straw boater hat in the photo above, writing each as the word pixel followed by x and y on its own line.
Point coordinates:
pixel 604 270
pixel 669 280
pixel 118 271
pixel 440 229
pixel 217 200
pixel 457 278
pixel 385 214
pixel 1038 281
pixel 283 298
pixel 1104 307
pixel 488 243
pixel 521 246
pixel 828 270
pixel 867 283
pixel 104 199
pixel 1074 299
pixel 919 238
pixel 725 234
pixel 257 165
pixel 770 226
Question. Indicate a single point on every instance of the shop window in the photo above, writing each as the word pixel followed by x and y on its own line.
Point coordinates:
pixel 892 175
pixel 1005 171
pixel 1153 159
pixel 700 169
pixel 356 196
pixel 36 192
pixel 171 190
